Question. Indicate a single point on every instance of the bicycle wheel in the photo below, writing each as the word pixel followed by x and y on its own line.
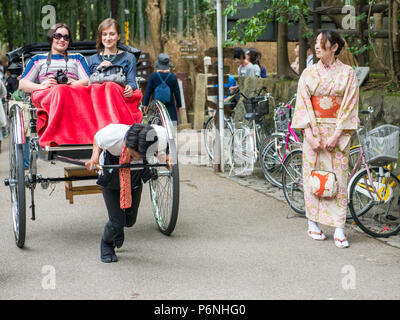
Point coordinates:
pixel 243 152
pixel 16 179
pixel 164 184
pixel 272 152
pixel 353 157
pixel 377 215
pixel 292 181
pixel 210 134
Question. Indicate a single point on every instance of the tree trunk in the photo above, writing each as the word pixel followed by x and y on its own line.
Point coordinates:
pixel 284 69
pixel 28 20
pixel 154 13
pixel 195 13
pixel 114 9
pixel 180 19
pixel 391 42
pixel 302 46
pixel 395 39
pixel 6 16
pixel 378 24
pixel 141 21
pixel 88 18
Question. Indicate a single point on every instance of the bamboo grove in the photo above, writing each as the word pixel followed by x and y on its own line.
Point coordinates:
pixel 21 21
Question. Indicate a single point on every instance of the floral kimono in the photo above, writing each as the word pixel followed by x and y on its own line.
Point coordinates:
pixel 327 99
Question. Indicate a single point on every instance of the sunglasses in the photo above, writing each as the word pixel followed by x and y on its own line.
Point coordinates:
pixel 58 36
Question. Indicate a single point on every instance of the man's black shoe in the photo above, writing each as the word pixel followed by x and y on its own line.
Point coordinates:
pixel 107 253
pixel 119 239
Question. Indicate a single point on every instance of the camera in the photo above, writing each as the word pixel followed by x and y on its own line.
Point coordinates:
pixel 61 77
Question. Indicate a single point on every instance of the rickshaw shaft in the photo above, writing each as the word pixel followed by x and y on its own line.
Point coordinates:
pixel 116 166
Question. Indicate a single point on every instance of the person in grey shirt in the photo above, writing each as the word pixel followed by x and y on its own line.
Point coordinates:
pixel 245 69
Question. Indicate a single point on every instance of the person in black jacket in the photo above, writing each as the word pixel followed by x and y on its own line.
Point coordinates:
pixel 163 74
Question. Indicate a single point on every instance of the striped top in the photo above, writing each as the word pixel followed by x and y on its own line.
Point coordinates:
pixel 37 69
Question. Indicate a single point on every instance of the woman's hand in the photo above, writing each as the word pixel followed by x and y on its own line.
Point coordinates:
pixel 50 82
pixel 168 162
pixel 104 64
pixel 232 89
pixel 315 143
pixel 332 142
pixel 128 91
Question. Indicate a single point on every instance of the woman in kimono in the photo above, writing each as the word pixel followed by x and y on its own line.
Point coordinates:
pixel 327 112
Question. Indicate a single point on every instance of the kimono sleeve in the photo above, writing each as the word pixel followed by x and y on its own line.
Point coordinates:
pixel 304 113
pixel 348 113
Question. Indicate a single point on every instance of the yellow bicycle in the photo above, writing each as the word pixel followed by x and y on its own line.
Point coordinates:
pixel 374 200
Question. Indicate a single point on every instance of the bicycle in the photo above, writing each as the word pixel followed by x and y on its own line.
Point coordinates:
pixel 374 201
pixel 247 138
pixel 275 148
pixel 292 175
pixel 292 179
pixel 210 132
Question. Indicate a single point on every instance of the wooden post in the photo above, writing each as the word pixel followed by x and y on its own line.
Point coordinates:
pixel 363 60
pixel 316 23
pixel 302 47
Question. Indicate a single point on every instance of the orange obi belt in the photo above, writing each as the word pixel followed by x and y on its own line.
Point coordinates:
pixel 326 106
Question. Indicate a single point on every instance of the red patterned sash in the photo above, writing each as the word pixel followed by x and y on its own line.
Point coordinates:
pixel 326 106
pixel 125 196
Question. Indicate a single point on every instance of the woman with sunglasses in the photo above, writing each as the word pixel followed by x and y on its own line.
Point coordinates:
pixel 108 37
pixel 44 71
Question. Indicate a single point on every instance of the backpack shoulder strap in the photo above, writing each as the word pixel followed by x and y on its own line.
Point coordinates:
pixel 162 81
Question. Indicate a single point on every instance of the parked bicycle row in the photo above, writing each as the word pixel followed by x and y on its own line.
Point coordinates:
pixel 373 196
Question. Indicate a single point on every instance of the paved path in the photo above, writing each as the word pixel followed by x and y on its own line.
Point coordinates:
pixel 231 242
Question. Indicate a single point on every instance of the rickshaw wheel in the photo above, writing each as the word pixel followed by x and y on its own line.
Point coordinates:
pixel 17 181
pixel 164 193
pixel 164 184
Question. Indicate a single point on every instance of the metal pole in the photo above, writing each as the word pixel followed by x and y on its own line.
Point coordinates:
pixel 220 82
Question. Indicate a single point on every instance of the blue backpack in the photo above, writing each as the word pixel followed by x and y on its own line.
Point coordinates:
pixel 162 92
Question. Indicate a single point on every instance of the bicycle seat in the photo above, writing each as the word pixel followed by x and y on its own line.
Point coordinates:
pixel 229 105
pixel 251 116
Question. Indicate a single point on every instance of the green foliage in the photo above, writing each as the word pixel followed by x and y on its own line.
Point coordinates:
pixel 250 29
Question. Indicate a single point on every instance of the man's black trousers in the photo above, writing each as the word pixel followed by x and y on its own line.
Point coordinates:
pixel 118 218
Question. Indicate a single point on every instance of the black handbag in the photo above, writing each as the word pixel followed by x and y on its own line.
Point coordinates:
pixel 112 73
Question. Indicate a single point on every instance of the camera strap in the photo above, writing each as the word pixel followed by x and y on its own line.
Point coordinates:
pixel 48 62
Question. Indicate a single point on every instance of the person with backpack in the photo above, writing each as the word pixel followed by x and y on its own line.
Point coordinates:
pixel 163 86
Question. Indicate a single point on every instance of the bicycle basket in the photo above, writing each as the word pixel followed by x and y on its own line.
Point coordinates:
pixel 282 118
pixel 380 145
pixel 258 104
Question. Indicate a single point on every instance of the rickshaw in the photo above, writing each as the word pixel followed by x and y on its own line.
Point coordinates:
pixel 164 183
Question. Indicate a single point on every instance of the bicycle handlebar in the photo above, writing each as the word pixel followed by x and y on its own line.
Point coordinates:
pixel 268 95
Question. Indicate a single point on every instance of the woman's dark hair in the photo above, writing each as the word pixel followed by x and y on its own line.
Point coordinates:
pixel 140 137
pixel 109 22
pixel 53 30
pixel 238 53
pixel 254 56
pixel 333 37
